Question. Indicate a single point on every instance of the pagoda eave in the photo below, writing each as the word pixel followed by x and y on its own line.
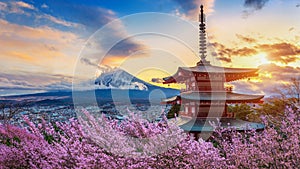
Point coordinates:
pixel 210 73
pixel 227 97
pixel 203 124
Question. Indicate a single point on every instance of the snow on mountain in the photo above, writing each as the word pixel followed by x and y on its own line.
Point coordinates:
pixel 120 79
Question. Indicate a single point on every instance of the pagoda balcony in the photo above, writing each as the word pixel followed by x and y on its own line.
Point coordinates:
pixel 226 89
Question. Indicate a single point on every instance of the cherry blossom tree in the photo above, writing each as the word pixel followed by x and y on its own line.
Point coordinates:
pixel 91 142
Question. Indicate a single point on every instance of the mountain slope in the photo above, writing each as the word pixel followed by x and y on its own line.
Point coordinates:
pixel 120 79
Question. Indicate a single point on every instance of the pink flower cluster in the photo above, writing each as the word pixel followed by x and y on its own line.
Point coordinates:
pixel 135 143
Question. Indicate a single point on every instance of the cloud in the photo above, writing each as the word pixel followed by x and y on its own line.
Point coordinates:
pixel 271 76
pixel 187 5
pixel 249 87
pixel 255 4
pixel 3 6
pixel 91 17
pixel 126 48
pixel 47 50
pixel 224 53
pixel 94 18
pixel 44 6
pixel 191 8
pixel 57 20
pixel 245 51
pixel 112 47
pixel 281 72
pixel 23 5
pixel 17 7
pixel 40 49
pixel 89 62
pixel 15 33
pixel 100 67
pixel 224 58
pixel 111 30
pixel 35 81
pixel 281 52
pixel 21 8
pixel 291 29
pixel 246 39
pixel 82 18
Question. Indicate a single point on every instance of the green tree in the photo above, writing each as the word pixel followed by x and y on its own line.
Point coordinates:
pixel 174 109
pixel 241 111
pixel 274 108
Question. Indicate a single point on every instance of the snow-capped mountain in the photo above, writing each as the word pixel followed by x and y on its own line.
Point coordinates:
pixel 120 79
pixel 109 88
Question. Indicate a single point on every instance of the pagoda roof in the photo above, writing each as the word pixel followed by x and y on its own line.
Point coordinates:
pixel 171 99
pixel 230 97
pixel 217 69
pixel 204 124
pixel 238 73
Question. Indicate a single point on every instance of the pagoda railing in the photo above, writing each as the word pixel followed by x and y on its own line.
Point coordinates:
pixel 227 89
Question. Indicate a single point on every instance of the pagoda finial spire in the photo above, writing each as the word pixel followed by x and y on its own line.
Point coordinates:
pixel 202 38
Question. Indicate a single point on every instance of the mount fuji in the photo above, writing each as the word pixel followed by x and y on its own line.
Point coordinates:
pixel 110 87
pixel 120 79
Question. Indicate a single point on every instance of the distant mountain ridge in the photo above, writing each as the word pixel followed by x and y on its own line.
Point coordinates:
pixel 110 86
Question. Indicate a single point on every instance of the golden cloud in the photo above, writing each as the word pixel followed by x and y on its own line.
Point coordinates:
pixel 224 53
pixel 281 52
pixel 246 39
pixel 40 49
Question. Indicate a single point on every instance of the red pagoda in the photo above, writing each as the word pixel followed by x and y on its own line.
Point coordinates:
pixel 205 97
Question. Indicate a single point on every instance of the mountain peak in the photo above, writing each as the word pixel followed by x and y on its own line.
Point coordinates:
pixel 120 79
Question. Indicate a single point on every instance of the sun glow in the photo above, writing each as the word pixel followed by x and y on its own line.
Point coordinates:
pixel 261 58
pixel 255 79
pixel 250 61
pixel 266 75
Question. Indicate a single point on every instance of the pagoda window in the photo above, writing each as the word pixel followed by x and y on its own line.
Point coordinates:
pixel 180 73
pixel 186 109
pixel 193 110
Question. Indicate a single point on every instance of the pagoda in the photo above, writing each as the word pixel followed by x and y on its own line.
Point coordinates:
pixel 206 97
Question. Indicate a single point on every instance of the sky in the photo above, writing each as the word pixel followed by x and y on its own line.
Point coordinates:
pixel 46 43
